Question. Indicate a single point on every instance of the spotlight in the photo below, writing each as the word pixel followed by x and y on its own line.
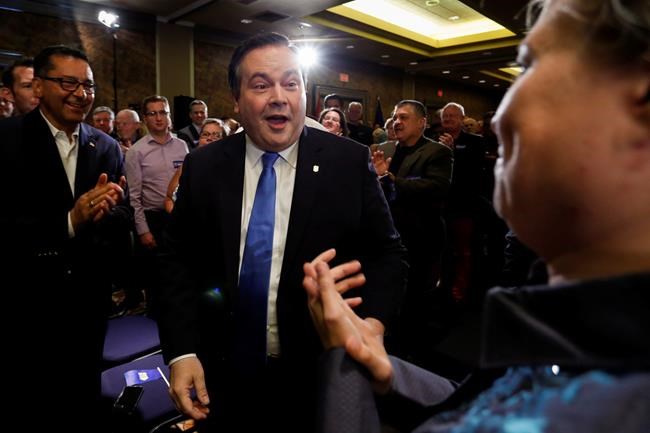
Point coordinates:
pixel 308 56
pixel 109 19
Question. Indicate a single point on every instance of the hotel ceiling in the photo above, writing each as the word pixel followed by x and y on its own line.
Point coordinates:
pixel 344 31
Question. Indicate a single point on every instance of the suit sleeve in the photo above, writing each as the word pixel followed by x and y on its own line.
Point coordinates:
pixel 175 302
pixel 434 181
pixel 346 402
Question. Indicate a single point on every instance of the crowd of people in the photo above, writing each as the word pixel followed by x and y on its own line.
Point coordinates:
pixel 336 249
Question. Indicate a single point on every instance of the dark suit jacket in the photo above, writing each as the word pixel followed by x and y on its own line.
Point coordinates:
pixel 339 204
pixel 418 193
pixel 189 135
pixel 63 284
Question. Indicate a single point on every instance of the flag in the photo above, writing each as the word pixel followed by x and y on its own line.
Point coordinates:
pixel 135 377
pixel 379 116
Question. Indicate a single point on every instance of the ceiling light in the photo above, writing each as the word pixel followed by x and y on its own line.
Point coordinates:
pixel 405 18
pixel 446 72
pixel 430 3
pixel 349 47
pixel 109 19
pixel 308 56
pixel 481 81
pixel 246 21
pixel 465 77
pixel 413 63
pixel 304 24
pixel 513 70
pixel 385 56
pixel 496 85
pixel 454 18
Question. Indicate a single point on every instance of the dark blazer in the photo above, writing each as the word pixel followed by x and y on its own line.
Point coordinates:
pixel 189 135
pixel 63 284
pixel 418 193
pixel 337 202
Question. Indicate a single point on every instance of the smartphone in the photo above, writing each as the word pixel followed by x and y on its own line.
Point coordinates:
pixel 128 399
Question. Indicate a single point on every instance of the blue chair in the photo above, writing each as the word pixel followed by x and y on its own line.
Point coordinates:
pixel 155 404
pixel 128 338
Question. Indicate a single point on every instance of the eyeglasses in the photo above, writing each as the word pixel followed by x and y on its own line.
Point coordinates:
pixel 161 113
pixel 211 134
pixel 71 84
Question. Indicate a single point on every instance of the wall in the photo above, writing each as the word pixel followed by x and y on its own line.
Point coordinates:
pixel 136 54
pixel 211 78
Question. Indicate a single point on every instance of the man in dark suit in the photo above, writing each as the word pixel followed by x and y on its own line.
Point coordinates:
pixel 198 113
pixel 327 196
pixel 62 211
pixel 416 178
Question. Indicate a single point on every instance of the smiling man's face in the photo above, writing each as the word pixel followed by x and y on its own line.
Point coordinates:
pixel 272 101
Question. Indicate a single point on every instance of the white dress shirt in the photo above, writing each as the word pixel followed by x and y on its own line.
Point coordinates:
pixel 68 151
pixel 285 175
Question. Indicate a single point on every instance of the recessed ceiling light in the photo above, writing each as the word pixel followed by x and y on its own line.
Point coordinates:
pixel 481 81
pixel 446 72
pixel 246 21
pixel 413 63
pixel 405 19
pixel 304 24
pixel 385 56
pixel 496 85
pixel 465 77
pixel 349 47
pixel 487 53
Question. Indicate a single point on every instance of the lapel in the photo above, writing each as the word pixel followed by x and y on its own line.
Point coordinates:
pixel 410 160
pixel 44 156
pixel 231 189
pixel 193 131
pixel 86 161
pixel 304 193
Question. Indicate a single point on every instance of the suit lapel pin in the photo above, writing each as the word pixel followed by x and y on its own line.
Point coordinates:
pixel 91 143
pixel 315 168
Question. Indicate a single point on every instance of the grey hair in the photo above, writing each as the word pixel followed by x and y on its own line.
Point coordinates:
pixel 616 31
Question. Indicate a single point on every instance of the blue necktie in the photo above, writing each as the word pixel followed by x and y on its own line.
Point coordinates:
pixel 255 273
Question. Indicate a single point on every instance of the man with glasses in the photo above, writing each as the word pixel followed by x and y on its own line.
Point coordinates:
pixel 150 165
pixel 63 209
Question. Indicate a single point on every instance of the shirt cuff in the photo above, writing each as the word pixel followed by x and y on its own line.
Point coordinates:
pixel 178 358
pixel 71 232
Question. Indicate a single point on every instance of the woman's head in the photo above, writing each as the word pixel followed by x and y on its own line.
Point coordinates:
pixel 574 129
pixel 334 121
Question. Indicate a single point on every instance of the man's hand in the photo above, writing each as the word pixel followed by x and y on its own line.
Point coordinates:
pixel 447 139
pixel 185 375
pixel 94 204
pixel 337 324
pixel 381 164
